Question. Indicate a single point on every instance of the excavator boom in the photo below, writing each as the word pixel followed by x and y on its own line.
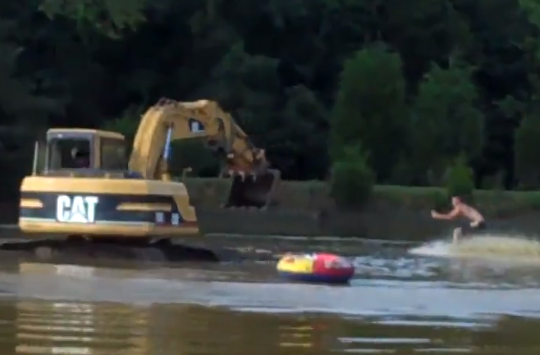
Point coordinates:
pixel 168 120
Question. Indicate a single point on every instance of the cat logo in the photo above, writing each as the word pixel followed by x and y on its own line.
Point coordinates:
pixel 76 209
pixel 195 126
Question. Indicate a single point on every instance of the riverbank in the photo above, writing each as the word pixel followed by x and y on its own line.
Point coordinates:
pixel 313 196
pixel 304 209
pixel 392 213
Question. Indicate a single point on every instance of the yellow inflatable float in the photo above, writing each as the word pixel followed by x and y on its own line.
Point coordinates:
pixel 316 268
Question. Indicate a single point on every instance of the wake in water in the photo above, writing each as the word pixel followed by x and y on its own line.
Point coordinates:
pixel 517 248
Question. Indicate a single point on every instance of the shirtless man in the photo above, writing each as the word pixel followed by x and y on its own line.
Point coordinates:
pixel 461 209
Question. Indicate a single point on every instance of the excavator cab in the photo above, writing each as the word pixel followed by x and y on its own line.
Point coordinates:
pixel 80 152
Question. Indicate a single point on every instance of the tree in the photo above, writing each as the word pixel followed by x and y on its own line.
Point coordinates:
pixel 109 17
pixel 18 104
pixel 532 9
pixel 445 122
pixel 526 137
pixel 128 123
pixel 370 108
pixel 459 179
pixel 305 120
pixel 527 152
pixel 276 69
pixel 351 180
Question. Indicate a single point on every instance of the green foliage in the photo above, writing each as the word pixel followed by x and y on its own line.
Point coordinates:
pixel 526 142
pixel 304 113
pixel 459 178
pixel 126 124
pixel 532 9
pixel 193 154
pixel 370 108
pixel 527 151
pixel 17 101
pixel 446 121
pixel 281 68
pixel 352 180
pixel 109 17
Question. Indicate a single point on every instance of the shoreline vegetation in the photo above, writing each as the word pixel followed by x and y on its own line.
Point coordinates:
pixel 392 213
pixel 314 196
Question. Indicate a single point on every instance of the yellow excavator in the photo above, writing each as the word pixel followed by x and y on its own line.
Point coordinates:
pixel 83 187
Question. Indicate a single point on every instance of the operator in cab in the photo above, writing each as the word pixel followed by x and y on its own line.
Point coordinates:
pixel 81 158
pixel 475 223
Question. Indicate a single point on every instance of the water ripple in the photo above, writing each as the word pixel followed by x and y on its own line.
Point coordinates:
pixel 397 303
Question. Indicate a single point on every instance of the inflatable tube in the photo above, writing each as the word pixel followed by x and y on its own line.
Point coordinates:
pixel 316 268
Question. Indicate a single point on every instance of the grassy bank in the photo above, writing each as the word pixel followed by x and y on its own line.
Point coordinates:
pixel 493 202
pixel 393 212
pixel 313 195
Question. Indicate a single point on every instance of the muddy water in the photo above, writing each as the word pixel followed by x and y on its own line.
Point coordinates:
pixel 397 303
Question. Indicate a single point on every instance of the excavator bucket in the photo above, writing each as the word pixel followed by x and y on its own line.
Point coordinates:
pixel 255 191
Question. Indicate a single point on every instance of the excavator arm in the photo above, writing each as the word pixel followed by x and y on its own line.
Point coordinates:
pixel 168 120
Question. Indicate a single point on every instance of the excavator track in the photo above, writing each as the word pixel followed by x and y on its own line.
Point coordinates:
pixel 77 248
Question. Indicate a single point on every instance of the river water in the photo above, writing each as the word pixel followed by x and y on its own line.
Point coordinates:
pixel 397 303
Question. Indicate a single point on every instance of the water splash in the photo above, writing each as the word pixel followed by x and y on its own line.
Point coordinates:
pixel 438 248
pixel 505 246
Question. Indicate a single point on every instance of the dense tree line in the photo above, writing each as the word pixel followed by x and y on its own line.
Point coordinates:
pixel 411 86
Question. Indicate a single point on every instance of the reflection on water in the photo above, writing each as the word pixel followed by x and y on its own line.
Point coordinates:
pixel 44 327
pixel 79 328
pixel 398 303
